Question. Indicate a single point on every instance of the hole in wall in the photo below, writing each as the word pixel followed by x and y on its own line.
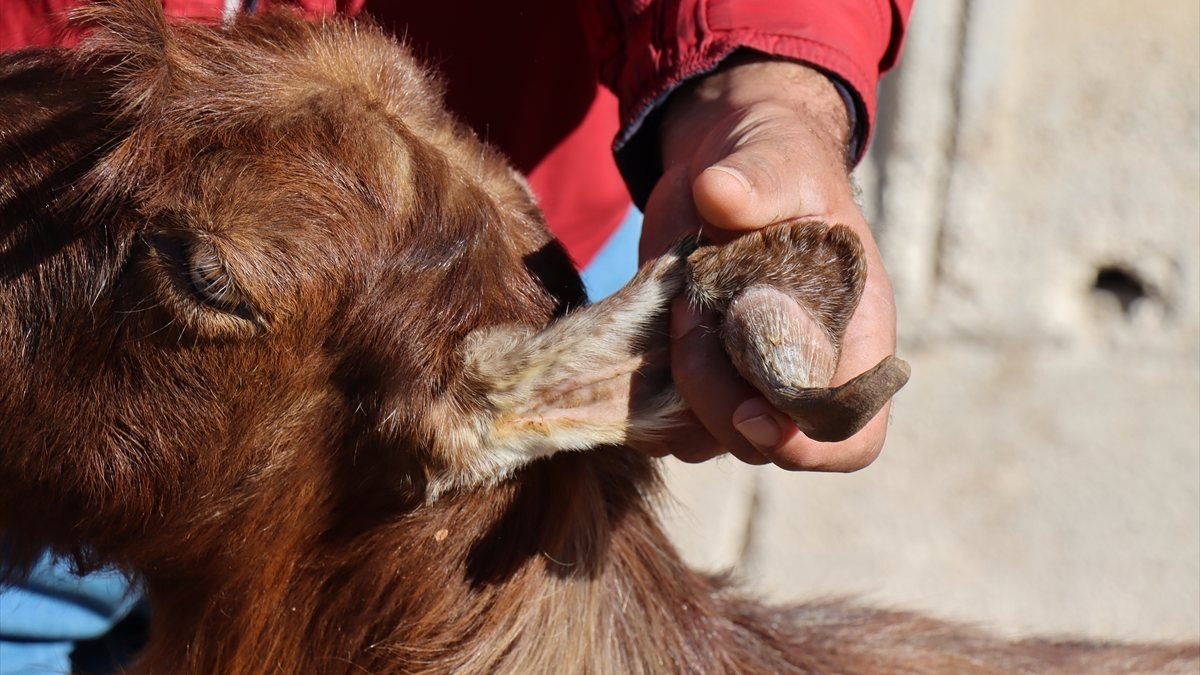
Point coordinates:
pixel 1121 284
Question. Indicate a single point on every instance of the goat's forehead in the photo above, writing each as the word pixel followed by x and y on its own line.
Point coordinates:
pixel 250 74
pixel 273 117
pixel 329 167
pixel 245 189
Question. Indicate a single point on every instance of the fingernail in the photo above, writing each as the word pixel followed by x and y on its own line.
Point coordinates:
pixel 737 175
pixel 761 431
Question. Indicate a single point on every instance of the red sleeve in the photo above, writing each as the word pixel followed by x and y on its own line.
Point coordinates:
pixel 647 48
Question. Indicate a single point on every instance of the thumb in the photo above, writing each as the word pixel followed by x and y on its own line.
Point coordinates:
pixel 777 170
pixel 742 191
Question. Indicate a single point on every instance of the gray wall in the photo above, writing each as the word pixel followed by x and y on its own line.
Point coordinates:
pixel 1035 186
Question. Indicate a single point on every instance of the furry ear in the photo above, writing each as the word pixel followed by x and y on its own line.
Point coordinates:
pixel 597 376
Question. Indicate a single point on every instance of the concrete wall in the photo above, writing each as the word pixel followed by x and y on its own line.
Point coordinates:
pixel 1035 185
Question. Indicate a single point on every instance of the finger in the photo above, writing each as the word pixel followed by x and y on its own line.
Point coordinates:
pixel 692 443
pixel 797 452
pixel 707 381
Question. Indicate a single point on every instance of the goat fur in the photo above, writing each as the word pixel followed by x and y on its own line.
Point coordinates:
pixel 255 286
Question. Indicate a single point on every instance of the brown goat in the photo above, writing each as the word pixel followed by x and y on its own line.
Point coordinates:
pixel 281 340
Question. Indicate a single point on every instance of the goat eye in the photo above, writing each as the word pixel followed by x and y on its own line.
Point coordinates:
pixel 200 272
pixel 208 278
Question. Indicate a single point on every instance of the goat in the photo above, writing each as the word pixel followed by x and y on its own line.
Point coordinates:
pixel 287 344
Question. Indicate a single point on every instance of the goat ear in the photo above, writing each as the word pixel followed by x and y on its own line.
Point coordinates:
pixel 597 376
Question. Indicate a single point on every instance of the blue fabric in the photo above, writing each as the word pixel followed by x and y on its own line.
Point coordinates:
pixel 28 658
pixel 41 620
pixel 616 263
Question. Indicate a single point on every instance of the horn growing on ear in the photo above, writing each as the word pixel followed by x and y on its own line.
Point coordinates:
pixel 790 350
pixel 599 376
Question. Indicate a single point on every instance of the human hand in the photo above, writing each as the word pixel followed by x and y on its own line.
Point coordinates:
pixel 759 142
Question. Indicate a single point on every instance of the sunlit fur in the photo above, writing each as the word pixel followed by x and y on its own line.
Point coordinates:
pixel 260 454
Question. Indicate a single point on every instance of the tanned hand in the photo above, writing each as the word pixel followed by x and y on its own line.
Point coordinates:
pixel 758 142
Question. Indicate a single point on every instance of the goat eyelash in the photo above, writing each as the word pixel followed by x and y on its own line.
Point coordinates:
pixel 201 274
pixel 208 279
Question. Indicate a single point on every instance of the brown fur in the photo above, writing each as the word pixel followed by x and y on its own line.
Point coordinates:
pixel 236 268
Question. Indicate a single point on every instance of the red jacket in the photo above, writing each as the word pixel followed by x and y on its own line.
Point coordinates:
pixel 538 77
